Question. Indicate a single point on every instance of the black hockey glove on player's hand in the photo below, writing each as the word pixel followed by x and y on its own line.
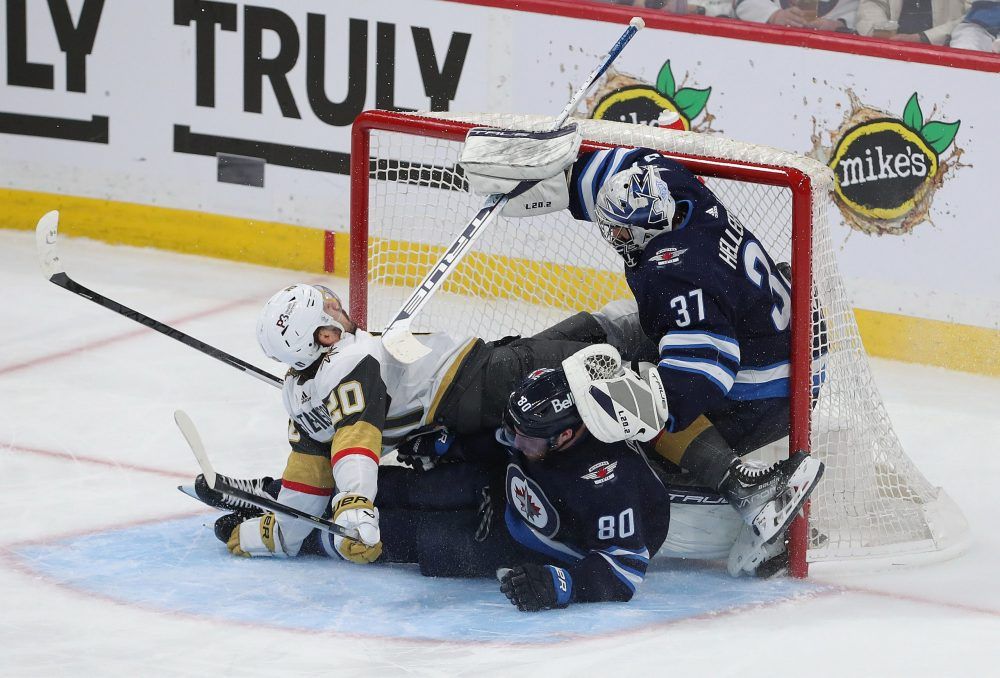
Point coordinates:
pixel 423 452
pixel 536 587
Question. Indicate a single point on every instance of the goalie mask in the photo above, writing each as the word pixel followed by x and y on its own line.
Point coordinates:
pixel 538 411
pixel 286 329
pixel 633 207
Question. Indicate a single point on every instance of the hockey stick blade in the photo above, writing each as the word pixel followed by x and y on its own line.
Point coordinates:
pixel 46 243
pixel 397 338
pixel 403 346
pixel 191 435
pixel 46 236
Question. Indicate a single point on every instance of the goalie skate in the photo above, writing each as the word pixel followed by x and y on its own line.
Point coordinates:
pixel 205 494
pixel 768 498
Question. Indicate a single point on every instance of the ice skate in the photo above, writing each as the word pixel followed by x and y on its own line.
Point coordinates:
pixel 205 494
pixel 768 498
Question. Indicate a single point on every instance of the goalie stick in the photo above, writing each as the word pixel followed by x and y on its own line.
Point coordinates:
pixel 190 433
pixel 46 237
pixel 396 337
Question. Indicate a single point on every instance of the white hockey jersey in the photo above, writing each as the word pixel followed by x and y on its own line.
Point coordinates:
pixel 344 411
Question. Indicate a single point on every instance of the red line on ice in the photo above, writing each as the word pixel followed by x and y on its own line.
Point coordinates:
pixel 100 343
pixel 67 456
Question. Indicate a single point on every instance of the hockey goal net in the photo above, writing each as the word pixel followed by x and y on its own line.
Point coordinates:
pixel 409 200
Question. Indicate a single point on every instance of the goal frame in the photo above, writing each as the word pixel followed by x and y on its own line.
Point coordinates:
pixel 797 182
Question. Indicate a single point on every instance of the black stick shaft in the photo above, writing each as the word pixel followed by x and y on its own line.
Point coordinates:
pixel 283 509
pixel 67 283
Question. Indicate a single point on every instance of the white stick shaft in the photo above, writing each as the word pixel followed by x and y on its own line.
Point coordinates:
pixel 397 337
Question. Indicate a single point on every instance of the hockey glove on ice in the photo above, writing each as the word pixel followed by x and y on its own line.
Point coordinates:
pixel 255 537
pixel 536 587
pixel 354 512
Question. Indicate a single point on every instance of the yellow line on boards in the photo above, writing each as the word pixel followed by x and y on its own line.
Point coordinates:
pixel 885 335
pixel 212 235
pixel 931 342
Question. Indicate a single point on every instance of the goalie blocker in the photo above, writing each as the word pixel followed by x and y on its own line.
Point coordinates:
pixel 496 161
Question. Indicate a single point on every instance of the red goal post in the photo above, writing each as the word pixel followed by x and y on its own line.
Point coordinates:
pixel 408 202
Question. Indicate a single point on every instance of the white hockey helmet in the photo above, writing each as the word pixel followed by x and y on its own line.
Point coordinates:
pixel 633 207
pixel 286 329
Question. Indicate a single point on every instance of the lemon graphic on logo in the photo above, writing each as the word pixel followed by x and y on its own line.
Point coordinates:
pixel 887 168
pixel 643 104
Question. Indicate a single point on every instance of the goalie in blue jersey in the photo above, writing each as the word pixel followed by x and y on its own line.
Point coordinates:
pixel 711 309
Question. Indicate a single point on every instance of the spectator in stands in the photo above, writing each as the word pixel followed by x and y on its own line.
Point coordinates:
pixel 704 7
pixel 829 15
pixel 979 29
pixel 927 21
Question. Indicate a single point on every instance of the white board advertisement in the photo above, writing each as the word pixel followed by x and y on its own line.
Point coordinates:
pixel 131 101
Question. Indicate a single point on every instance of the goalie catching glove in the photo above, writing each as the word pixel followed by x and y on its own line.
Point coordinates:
pixel 354 512
pixel 496 161
pixel 614 402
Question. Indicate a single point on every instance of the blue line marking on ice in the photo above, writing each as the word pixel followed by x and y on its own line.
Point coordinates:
pixel 179 566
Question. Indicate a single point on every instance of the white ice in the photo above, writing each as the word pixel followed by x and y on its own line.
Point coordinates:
pixel 88 445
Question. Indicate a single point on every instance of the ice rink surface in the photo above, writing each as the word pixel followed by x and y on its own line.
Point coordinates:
pixel 107 570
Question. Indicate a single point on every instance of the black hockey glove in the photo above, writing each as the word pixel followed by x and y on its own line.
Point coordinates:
pixel 536 587
pixel 423 452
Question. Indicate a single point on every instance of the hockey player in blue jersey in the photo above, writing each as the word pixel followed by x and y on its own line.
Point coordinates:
pixel 711 309
pixel 555 514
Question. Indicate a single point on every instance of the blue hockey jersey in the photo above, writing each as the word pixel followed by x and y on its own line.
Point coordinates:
pixel 597 510
pixel 707 292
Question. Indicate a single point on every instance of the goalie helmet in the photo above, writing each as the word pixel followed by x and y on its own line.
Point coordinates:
pixel 538 411
pixel 633 207
pixel 286 329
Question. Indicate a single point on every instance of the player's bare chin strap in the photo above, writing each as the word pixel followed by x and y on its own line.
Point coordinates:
pixel 700 450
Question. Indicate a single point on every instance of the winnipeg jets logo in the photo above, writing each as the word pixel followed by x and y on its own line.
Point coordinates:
pixel 668 255
pixel 601 472
pixel 527 501
pixel 655 191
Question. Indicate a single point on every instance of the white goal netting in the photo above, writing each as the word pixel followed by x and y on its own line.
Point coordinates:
pixel 525 274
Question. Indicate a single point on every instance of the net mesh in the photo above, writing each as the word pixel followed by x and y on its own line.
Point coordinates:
pixel 525 274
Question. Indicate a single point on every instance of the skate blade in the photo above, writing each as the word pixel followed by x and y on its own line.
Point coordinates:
pixel 770 524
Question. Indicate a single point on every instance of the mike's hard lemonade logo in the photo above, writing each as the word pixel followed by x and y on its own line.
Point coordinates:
pixel 887 169
pixel 623 98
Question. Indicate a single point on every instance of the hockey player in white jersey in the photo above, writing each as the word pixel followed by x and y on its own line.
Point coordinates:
pixel 348 400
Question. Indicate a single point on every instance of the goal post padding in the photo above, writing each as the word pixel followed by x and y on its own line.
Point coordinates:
pixel 409 199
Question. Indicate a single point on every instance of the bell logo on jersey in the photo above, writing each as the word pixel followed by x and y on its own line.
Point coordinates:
pixel 668 255
pixel 601 472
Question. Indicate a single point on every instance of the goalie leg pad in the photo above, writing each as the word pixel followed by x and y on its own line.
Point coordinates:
pixel 748 553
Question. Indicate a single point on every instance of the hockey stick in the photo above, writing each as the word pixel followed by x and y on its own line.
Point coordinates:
pixel 190 433
pixel 396 337
pixel 46 237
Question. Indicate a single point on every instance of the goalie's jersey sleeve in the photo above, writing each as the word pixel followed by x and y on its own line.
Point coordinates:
pixel 599 510
pixel 707 292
